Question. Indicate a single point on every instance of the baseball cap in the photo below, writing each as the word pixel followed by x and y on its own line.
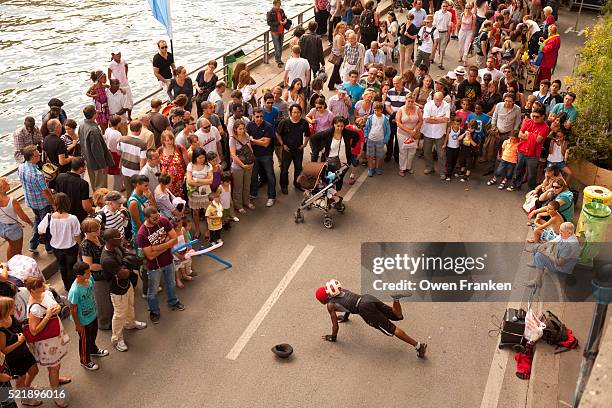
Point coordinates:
pixel 341 89
pixel 114 196
pixel 321 295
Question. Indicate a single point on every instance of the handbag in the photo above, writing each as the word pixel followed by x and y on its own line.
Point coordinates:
pixel 245 153
pixel 333 163
pixel 52 329
pixel 46 237
pixel 334 59
pixel 49 170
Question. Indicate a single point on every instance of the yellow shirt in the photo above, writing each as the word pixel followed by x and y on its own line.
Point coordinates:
pixel 510 151
pixel 214 216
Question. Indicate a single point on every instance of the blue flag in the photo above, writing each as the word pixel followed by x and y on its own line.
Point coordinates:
pixel 161 12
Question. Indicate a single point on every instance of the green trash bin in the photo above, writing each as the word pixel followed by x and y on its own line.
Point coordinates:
pixel 596 217
pixel 230 60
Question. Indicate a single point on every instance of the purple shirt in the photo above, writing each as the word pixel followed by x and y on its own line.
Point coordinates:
pixel 156 235
pixel 323 121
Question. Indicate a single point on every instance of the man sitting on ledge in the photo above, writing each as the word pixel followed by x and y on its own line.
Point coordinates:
pixel 559 255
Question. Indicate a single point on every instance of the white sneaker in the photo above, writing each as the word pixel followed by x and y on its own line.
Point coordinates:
pixel 270 202
pixel 137 325
pixel 235 219
pixel 121 346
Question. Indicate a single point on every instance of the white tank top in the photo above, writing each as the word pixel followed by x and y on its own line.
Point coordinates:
pixel 555 155
pixel 7 214
pixel 225 198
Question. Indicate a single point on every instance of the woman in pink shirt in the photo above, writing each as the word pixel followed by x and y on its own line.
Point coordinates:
pixel 320 117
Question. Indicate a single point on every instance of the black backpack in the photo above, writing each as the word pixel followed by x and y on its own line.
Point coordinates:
pixel 554 332
pixel 366 20
pixel 430 33
pixel 478 43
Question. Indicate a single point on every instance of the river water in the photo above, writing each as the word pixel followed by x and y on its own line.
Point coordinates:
pixel 49 47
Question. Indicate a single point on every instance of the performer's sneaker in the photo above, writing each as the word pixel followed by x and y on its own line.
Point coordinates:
pixel 398 296
pixel 421 351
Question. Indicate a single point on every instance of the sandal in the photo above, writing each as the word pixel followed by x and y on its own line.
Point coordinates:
pixel 65 380
pixel 402 173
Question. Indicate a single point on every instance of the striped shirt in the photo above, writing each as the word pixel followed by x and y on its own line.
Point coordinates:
pixel 396 99
pixel 110 219
pixel 132 149
pixel 34 185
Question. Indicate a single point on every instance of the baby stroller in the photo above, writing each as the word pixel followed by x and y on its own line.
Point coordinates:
pixel 319 184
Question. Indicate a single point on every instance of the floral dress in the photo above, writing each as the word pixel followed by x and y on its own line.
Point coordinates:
pixel 102 112
pixel 174 165
pixel 50 352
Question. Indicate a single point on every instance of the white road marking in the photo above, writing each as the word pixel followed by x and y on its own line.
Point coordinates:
pixel 569 30
pixel 580 33
pixel 355 187
pixel 497 371
pixel 267 306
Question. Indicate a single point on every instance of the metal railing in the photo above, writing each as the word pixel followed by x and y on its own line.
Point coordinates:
pixel 258 55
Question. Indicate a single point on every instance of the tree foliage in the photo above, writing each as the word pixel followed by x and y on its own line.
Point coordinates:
pixel 592 84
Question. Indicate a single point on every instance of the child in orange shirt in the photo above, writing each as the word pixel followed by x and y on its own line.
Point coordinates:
pixel 508 159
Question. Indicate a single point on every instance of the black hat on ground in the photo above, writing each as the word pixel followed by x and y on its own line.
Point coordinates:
pixel 282 350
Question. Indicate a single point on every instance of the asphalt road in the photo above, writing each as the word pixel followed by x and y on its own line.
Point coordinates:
pixel 182 361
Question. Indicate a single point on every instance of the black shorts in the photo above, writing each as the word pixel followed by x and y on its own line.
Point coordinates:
pixel 377 314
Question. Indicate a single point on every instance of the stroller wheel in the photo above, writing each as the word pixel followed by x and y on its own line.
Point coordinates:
pixel 340 207
pixel 298 217
pixel 328 223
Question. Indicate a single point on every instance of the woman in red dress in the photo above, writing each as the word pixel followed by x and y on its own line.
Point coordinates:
pixel 173 161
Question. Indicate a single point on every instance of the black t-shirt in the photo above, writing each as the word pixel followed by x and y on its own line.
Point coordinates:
pixel 293 134
pixel 111 264
pixel 258 132
pixel 88 248
pixel 412 30
pixel 53 147
pixel 164 65
pixel 471 91
pixel 77 189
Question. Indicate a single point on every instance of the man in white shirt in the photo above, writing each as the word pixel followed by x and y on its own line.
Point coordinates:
pixel 151 169
pixel 419 13
pixel 436 115
pixel 209 137
pixel 428 42
pixel 442 21
pixel 216 97
pixel 559 255
pixel 374 57
pixel 297 67
pixel 117 104
pixel 496 74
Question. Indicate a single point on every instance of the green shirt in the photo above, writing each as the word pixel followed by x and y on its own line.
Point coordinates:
pixel 571 112
pixel 83 297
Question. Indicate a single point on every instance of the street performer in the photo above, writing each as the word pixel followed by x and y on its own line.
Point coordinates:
pixel 373 311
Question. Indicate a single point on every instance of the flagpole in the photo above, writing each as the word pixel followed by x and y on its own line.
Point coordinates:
pixel 169 28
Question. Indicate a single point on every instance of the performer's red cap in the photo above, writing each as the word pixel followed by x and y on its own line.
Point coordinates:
pixel 321 295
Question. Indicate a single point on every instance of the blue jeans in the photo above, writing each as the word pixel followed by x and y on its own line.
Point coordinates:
pixel 267 164
pixel 505 169
pixel 530 164
pixel 155 276
pixel 38 216
pixel 277 40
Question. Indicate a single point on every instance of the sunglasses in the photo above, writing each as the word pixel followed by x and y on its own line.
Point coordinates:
pixel 259 116
pixel 165 47
pixel 555 187
pixel 206 127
